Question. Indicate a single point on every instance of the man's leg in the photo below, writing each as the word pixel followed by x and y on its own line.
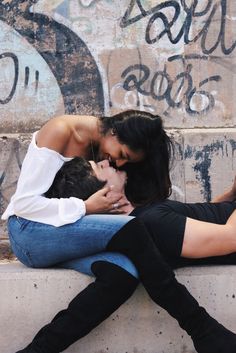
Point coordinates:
pixel 112 287
pixel 159 280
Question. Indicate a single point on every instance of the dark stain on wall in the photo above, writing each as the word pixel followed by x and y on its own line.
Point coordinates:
pixel 233 145
pixel 203 160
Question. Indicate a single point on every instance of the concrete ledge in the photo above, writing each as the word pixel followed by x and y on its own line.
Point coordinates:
pixel 29 298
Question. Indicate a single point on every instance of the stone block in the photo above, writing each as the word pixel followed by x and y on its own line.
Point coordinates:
pixel 30 298
pixel 209 162
pixel 12 152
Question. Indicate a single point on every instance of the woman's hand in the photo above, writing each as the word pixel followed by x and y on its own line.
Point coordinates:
pixel 101 202
pixel 122 206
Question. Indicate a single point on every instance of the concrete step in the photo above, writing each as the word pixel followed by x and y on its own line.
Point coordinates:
pixel 29 298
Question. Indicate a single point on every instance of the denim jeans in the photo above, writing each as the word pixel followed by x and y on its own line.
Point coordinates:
pixel 75 246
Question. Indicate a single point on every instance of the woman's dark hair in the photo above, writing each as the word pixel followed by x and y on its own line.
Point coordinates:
pixel 75 179
pixel 148 180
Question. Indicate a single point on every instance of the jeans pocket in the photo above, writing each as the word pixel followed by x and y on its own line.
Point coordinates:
pixel 22 222
pixel 22 254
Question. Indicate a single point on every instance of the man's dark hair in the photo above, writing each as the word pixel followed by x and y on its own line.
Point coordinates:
pixel 75 179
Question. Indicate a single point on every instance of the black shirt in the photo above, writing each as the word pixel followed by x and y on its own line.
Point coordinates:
pixel 166 221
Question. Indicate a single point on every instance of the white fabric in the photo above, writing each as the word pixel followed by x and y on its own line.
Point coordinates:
pixel 37 174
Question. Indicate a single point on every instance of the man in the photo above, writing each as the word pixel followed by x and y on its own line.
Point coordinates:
pixel 186 234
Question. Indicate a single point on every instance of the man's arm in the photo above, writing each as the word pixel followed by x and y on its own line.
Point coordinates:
pixel 228 195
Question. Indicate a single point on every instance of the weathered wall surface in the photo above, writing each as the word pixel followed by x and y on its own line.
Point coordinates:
pixel 173 58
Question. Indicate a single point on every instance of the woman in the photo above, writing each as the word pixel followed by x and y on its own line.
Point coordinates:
pixel 57 228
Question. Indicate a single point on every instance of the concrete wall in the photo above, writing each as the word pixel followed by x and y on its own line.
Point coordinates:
pixel 173 58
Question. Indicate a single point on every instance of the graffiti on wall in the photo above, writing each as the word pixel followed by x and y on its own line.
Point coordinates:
pixel 165 43
pixel 208 159
pixel 203 29
pixel 209 10
pixel 163 88
pixel 69 67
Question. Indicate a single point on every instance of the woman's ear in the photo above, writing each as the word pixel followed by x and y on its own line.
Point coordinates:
pixel 113 132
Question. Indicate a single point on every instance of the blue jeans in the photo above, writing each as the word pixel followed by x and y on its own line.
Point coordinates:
pixel 75 246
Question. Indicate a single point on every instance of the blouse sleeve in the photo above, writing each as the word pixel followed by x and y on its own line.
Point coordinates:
pixel 37 174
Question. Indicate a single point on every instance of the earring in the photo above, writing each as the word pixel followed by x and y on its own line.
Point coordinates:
pixel 113 132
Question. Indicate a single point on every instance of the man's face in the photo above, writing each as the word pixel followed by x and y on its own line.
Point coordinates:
pixel 104 171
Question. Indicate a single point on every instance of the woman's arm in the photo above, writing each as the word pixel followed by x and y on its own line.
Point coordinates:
pixel 37 174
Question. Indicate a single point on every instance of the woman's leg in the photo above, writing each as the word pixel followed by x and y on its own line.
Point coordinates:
pixel 116 280
pixel 207 334
pixel 41 245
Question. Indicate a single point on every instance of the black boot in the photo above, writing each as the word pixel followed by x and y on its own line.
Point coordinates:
pixel 207 334
pixel 112 287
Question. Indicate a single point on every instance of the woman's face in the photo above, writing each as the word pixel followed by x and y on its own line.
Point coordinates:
pixel 105 172
pixel 112 150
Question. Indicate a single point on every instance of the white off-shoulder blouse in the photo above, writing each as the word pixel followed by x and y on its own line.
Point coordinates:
pixel 37 174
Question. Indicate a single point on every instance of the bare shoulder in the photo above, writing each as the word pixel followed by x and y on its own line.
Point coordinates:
pixel 55 134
